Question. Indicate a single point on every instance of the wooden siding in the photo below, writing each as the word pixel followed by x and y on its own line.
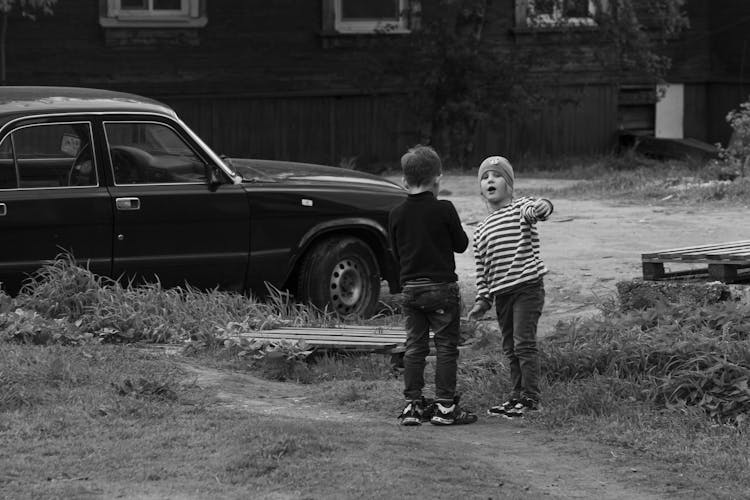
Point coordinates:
pixel 377 129
pixel 331 130
pixel 694 122
pixel 260 79
pixel 582 120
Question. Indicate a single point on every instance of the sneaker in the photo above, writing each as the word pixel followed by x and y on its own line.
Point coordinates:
pixel 523 407
pixel 451 414
pixel 416 412
pixel 412 414
pixel 428 409
pixel 500 410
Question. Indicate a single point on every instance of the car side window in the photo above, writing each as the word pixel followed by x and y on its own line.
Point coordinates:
pixel 49 155
pixel 151 153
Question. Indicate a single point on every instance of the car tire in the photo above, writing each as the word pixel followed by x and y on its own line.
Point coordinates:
pixel 341 275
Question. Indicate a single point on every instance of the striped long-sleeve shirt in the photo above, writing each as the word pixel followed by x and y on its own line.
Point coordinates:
pixel 506 249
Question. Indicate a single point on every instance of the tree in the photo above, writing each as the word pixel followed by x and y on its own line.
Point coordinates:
pixel 736 156
pixel 27 9
pixel 631 32
pixel 457 77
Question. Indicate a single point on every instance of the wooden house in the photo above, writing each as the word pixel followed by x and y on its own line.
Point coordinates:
pixel 288 79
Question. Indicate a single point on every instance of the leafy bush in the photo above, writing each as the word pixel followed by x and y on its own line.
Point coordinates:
pixel 30 327
pixel 277 360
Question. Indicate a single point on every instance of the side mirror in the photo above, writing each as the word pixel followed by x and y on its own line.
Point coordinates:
pixel 213 178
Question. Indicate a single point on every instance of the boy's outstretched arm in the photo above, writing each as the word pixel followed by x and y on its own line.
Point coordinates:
pixel 543 208
pixel 535 210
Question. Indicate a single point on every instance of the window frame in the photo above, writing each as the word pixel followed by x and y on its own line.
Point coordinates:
pixel 108 143
pixel 334 23
pixel 191 14
pixel 527 18
pixel 10 135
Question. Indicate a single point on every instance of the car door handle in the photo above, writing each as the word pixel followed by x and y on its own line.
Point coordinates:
pixel 128 203
pixel 3 209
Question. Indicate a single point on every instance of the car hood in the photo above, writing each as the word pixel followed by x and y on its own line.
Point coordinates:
pixel 305 173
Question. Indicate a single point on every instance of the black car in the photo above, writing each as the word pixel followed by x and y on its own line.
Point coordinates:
pixel 128 189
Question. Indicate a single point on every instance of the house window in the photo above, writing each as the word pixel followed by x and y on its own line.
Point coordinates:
pixel 153 13
pixel 369 16
pixel 152 7
pixel 550 13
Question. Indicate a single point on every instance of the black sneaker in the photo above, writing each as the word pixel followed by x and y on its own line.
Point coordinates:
pixel 428 409
pixel 417 411
pixel 523 407
pixel 500 410
pixel 451 414
pixel 412 414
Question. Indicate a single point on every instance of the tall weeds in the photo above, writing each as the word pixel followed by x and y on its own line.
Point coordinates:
pixel 676 355
pixel 66 303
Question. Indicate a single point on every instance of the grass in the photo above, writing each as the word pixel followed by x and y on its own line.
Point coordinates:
pixel 90 418
pixel 73 427
pixel 637 178
pixel 84 414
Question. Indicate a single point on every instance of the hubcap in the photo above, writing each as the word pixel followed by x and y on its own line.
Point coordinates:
pixel 347 286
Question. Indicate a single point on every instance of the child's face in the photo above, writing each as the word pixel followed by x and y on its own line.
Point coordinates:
pixel 494 189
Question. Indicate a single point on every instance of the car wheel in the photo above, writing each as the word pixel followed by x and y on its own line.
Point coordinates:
pixel 341 275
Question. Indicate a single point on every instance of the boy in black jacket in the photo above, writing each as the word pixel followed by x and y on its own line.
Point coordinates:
pixel 425 232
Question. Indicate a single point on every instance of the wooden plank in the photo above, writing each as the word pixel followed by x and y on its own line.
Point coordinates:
pixel 333 342
pixel 698 259
pixel 739 259
pixel 729 251
pixel 326 338
pixel 365 346
pixel 307 332
pixel 349 337
pixel 341 330
pixel 710 246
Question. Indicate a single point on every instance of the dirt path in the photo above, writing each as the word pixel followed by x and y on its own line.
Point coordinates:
pixel 514 461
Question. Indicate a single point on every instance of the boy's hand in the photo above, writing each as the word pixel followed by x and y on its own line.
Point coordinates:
pixel 542 209
pixel 478 311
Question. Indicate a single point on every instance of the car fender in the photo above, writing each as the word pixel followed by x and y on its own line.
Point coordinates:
pixel 370 230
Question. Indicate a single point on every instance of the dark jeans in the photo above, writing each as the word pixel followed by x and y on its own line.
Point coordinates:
pixel 518 313
pixel 431 307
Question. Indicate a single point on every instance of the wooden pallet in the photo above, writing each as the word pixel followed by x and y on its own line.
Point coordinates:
pixel 352 338
pixel 724 261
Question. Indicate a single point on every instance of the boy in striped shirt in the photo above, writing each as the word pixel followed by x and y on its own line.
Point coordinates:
pixel 509 275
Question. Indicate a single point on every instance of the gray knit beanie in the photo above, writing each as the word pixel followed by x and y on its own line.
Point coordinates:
pixel 499 165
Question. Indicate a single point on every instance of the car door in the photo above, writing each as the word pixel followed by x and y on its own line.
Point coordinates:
pixel 170 224
pixel 51 198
